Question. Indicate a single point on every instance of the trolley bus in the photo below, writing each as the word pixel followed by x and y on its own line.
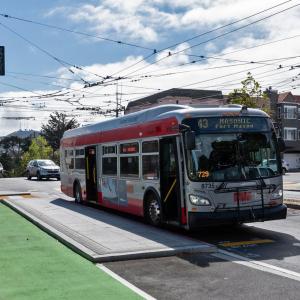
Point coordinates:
pixel 175 164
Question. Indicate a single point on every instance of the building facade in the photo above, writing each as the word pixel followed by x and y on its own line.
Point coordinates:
pixel 287 122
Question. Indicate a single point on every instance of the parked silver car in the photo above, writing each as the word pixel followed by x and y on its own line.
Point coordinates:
pixel 272 164
pixel 42 168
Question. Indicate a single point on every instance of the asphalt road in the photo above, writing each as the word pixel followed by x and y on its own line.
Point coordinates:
pixel 259 260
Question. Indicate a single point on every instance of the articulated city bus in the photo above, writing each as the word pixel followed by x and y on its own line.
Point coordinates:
pixel 175 164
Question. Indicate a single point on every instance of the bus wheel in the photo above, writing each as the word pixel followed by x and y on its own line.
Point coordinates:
pixel 77 193
pixel 153 210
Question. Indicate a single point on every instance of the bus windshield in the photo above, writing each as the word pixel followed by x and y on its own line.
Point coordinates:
pixel 229 155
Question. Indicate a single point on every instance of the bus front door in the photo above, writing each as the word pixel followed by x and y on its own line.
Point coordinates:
pixel 169 180
pixel 91 173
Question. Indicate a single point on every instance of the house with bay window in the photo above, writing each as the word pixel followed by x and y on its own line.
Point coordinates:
pixel 287 120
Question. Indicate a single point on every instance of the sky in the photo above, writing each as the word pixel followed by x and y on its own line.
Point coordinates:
pixel 73 56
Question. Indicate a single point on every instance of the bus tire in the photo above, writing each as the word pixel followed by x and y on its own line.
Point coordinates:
pixel 77 193
pixel 153 209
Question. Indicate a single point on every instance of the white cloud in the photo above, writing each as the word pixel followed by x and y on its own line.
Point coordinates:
pixel 149 21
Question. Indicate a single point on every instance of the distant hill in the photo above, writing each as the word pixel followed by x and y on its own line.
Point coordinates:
pixel 22 134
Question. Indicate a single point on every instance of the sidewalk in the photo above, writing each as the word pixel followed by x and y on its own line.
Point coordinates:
pixel 291 195
pixel 101 236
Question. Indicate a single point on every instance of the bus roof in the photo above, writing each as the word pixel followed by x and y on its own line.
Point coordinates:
pixel 180 112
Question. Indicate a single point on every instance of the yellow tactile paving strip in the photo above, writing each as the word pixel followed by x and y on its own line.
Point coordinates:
pixel 245 243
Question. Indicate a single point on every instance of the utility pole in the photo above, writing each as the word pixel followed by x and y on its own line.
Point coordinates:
pixel 117 101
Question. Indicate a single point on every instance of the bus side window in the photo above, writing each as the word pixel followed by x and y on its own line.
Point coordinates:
pixel 109 160
pixel 150 160
pixel 150 167
pixel 69 159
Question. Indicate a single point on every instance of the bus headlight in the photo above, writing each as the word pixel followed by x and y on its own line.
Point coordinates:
pixel 277 194
pixel 199 200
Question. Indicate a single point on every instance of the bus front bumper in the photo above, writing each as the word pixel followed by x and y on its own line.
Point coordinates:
pixel 202 219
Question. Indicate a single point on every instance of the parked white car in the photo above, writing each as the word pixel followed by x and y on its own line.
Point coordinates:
pixel 42 168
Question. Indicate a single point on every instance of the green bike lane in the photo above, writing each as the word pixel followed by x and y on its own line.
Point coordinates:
pixel 34 265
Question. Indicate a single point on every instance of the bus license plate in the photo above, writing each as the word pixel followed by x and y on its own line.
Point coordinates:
pixel 243 196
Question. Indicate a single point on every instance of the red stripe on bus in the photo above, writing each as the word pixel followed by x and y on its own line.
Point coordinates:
pixel 67 190
pixel 154 128
pixel 183 216
pixel 133 206
pixel 100 197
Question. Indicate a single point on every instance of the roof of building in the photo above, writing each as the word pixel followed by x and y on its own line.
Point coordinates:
pixel 194 94
pixel 283 96
pixel 297 98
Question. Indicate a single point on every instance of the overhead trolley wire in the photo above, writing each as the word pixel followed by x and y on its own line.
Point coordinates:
pixel 44 76
pixel 215 38
pixel 222 76
pixel 60 61
pixel 119 42
pixel 195 61
pixel 197 36
pixel 64 63
pixel 200 35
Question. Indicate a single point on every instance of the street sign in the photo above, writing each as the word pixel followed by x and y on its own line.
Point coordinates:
pixel 2 61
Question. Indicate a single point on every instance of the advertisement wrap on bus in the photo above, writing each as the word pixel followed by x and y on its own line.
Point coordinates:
pixel 174 164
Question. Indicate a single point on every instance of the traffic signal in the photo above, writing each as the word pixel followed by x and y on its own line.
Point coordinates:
pixel 2 61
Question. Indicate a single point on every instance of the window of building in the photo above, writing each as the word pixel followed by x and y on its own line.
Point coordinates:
pixel 129 166
pixel 290 112
pixel 290 134
pixel 279 112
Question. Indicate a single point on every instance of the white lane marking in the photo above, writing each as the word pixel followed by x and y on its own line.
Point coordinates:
pixel 226 255
pixel 125 282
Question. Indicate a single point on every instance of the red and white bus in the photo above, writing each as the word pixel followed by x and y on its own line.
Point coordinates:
pixel 179 165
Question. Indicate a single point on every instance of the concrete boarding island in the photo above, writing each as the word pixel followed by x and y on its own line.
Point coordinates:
pixel 101 236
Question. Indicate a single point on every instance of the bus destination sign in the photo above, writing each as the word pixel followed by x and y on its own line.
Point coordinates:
pixel 226 123
pixel 230 123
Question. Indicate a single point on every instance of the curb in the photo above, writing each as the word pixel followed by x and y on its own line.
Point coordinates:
pixel 290 203
pixel 5 194
pixel 97 258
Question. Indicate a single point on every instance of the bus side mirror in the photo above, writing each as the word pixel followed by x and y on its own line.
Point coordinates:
pixel 190 140
pixel 281 144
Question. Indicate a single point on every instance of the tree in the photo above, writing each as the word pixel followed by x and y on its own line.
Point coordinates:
pixel 55 128
pixel 250 95
pixel 12 149
pixel 39 149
